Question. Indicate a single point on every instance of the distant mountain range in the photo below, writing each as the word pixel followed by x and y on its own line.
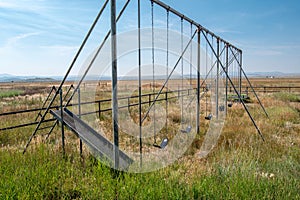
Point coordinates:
pixel 272 74
pixel 13 78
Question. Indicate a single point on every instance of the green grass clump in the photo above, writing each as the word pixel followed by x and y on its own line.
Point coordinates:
pixel 288 97
pixel 45 174
pixel 10 93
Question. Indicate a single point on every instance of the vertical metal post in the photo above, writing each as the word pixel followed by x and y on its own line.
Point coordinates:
pixel 166 95
pixel 140 82
pixel 62 120
pixel 114 83
pixel 217 79
pixel 99 107
pixel 226 82
pixel 198 83
pixel 182 117
pixel 240 74
pixel 79 115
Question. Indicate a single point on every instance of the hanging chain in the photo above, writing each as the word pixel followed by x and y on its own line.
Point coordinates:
pixel 167 72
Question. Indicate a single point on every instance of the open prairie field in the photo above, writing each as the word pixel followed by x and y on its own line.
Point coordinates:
pixel 241 165
pixel 290 81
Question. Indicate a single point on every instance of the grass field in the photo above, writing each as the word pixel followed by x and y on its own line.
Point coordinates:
pixel 241 166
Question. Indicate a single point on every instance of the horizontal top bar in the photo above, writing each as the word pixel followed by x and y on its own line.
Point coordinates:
pixel 194 23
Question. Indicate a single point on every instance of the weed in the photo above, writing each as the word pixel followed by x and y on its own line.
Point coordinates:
pixel 288 97
pixel 10 93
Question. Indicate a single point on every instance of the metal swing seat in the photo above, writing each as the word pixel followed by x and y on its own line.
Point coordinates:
pixel 187 130
pixel 221 108
pixel 163 144
pixel 209 116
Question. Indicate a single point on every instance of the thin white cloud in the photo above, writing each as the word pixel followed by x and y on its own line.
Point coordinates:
pixel 6 5
pixel 61 49
pixel 14 41
pixel 19 37
pixel 224 30
pixel 33 6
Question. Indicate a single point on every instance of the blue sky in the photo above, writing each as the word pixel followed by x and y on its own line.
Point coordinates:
pixel 40 37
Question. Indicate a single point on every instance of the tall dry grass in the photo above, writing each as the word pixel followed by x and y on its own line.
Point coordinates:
pixel 241 166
